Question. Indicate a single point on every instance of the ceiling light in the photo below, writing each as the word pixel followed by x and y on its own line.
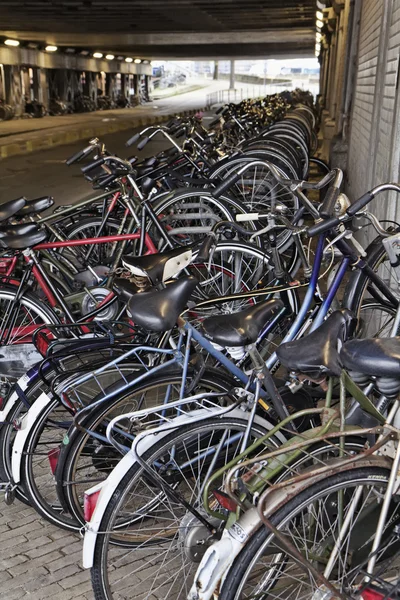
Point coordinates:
pixel 120 58
pixel 70 50
pixel 129 59
pixel 84 52
pixel 318 48
pixel 316 53
pixel 319 24
pixel 320 15
pixel 137 61
pixel 11 42
pixel 109 56
pixel 51 48
pixel 97 55
pixel 318 36
pixel 32 45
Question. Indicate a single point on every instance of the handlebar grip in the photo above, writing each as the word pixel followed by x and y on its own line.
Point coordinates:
pixel 322 226
pixel 360 203
pixel 132 140
pixel 92 165
pixel 142 143
pixel 104 182
pixel 79 155
pixel 329 203
pixel 225 185
pixel 247 217
pixel 205 247
pixel 214 122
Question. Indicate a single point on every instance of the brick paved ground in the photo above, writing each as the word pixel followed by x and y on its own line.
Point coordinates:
pixel 38 560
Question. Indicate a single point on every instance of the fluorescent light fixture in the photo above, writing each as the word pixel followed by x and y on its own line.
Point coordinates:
pixel 320 24
pixel 318 36
pixel 97 55
pixel 316 53
pixel 84 52
pixel 11 42
pixel 109 56
pixel 70 50
pixel 318 48
pixel 137 61
pixel 129 59
pixel 320 15
pixel 51 48
pixel 120 58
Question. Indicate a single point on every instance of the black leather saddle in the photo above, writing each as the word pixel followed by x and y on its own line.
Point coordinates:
pixel 35 206
pixel 8 209
pixel 241 328
pixel 376 357
pixel 19 237
pixel 159 267
pixel 159 310
pixel 317 354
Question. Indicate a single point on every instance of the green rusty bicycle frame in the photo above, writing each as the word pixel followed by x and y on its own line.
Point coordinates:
pixel 333 422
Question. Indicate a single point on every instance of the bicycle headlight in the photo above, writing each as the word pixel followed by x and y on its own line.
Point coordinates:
pixel 342 204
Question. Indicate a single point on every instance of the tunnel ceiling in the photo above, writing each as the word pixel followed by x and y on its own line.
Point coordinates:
pixel 167 28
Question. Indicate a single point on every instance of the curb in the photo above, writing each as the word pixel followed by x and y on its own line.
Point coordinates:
pixel 67 137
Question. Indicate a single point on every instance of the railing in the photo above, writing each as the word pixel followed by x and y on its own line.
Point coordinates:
pixel 251 91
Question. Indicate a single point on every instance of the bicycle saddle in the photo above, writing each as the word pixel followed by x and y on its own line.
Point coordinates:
pixel 376 357
pixel 35 206
pixel 159 310
pixel 317 354
pixel 8 209
pixel 241 328
pixel 125 289
pixel 19 237
pixel 159 267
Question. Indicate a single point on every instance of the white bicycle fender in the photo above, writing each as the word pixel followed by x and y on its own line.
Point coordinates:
pixel 23 383
pixel 108 487
pixel 220 556
pixel 27 422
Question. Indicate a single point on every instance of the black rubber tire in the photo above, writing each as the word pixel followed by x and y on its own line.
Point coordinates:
pixel 240 567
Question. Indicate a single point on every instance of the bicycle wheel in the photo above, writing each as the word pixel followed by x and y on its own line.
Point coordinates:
pixel 360 291
pixel 189 214
pixel 86 229
pixel 258 190
pixel 311 522
pixel 84 460
pixel 147 539
pixel 28 314
pixel 50 437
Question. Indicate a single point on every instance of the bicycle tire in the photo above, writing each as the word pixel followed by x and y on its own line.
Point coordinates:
pixel 262 541
pixel 135 475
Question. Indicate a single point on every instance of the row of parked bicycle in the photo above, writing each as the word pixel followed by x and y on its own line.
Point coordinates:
pixel 200 403
pixel 81 103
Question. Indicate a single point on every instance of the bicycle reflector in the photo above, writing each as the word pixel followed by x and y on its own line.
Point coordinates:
pixel 89 503
pixel 224 500
pixel 371 593
pixel 53 455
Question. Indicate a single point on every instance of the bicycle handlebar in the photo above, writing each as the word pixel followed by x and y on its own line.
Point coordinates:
pixel 79 155
pixel 327 224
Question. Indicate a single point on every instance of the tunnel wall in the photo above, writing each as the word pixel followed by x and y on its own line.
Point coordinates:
pixel 360 96
pixel 374 144
pixel 34 74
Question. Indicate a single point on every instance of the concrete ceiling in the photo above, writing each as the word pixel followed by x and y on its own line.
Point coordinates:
pixel 167 28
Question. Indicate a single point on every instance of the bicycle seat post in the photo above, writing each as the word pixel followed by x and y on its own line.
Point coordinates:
pixel 262 373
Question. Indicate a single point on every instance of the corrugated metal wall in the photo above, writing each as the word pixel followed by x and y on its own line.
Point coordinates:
pixel 374 145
